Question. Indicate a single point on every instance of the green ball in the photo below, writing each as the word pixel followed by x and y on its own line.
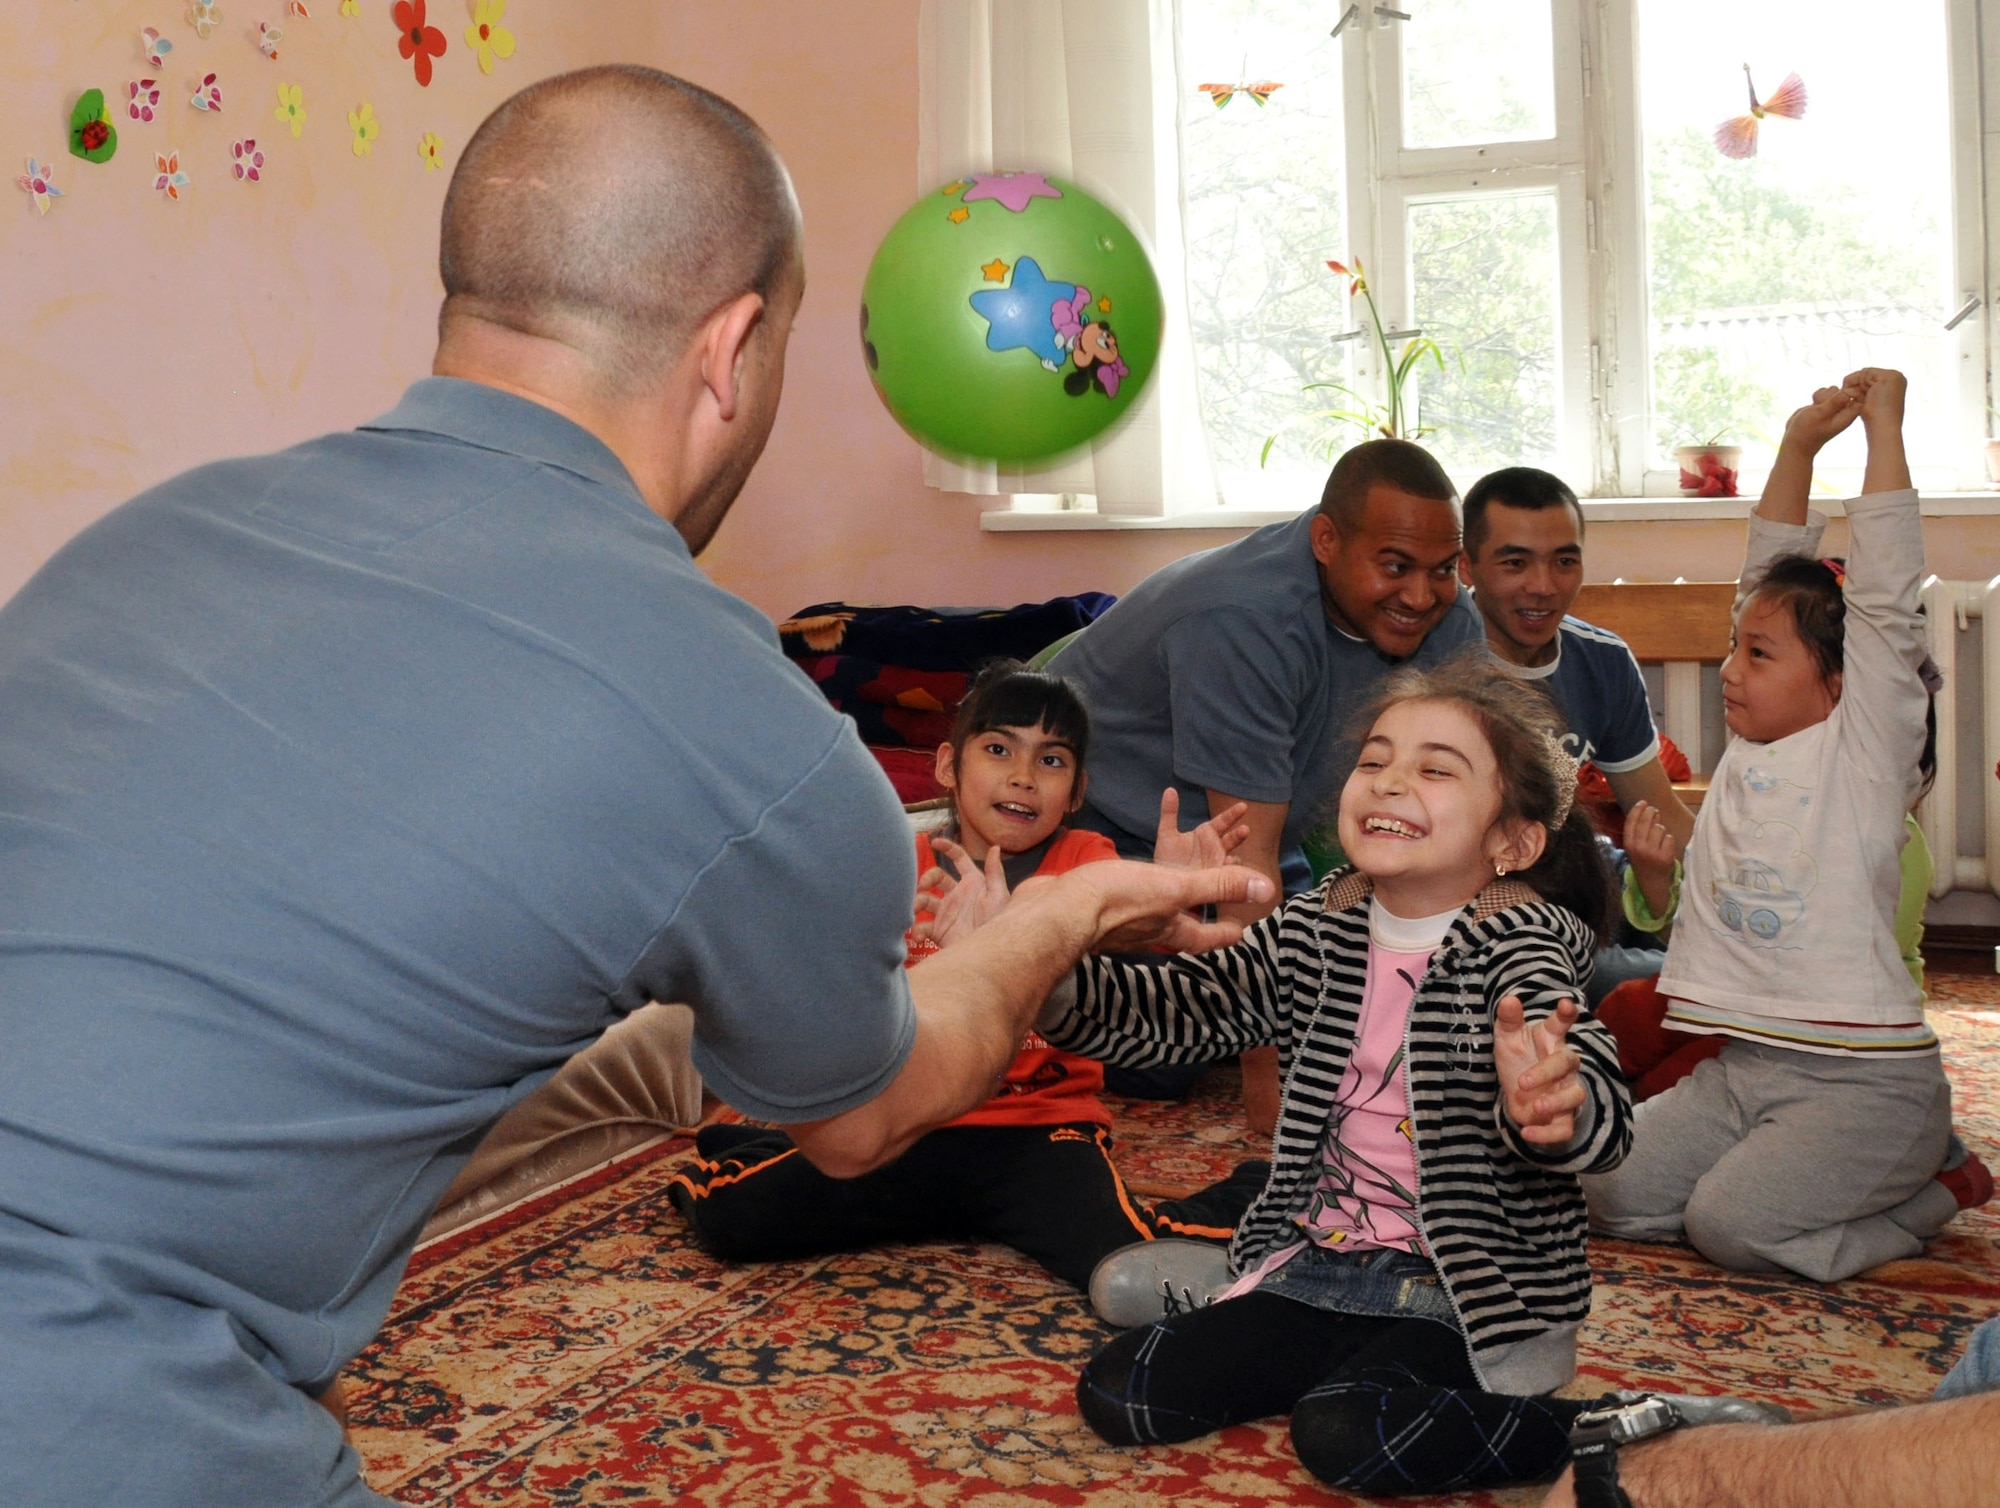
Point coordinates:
pixel 1010 317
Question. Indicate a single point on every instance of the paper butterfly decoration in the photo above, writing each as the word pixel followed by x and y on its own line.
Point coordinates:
pixel 1737 136
pixel 155 46
pixel 39 184
pixel 298 8
pixel 204 16
pixel 1222 94
pixel 268 38
pixel 168 177
pixel 207 94
pixel 246 162
pixel 142 98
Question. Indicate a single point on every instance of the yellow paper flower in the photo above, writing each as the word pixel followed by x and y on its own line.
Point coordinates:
pixel 350 7
pixel 292 108
pixel 432 151
pixel 365 127
pixel 486 36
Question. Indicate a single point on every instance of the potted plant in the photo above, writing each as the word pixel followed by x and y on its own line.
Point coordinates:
pixel 1708 469
pixel 1394 420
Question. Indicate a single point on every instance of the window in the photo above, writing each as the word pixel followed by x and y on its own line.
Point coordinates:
pixel 1535 185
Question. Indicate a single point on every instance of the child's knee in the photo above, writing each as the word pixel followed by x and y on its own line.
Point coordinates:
pixel 1732 1232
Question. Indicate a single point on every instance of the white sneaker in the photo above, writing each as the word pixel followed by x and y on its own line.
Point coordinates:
pixel 1150 1280
pixel 1693 1409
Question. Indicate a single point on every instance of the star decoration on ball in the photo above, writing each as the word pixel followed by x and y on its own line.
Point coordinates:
pixel 1011 190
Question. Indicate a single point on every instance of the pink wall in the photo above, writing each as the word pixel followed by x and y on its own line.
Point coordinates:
pixel 142 336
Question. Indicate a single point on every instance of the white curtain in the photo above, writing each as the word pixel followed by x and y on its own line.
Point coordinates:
pixel 1088 90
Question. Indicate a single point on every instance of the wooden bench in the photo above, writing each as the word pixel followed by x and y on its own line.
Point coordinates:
pixel 1680 626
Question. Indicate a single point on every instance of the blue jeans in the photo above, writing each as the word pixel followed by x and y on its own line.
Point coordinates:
pixel 1978 1370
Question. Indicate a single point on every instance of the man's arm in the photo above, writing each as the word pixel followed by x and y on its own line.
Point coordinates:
pixel 976 1000
pixel 1930 1455
pixel 1649 783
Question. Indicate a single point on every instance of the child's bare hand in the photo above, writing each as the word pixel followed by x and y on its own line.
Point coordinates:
pixel 960 907
pixel 1880 391
pixel 1832 409
pixel 1647 840
pixel 1539 1083
pixel 1208 846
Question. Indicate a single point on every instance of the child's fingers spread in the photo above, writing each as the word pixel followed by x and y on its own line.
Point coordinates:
pixel 1553 1069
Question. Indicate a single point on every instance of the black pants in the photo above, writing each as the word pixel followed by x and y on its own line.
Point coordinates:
pixel 1050 1192
pixel 1378 1406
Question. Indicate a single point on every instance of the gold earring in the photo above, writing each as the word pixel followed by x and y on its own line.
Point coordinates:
pixel 1499 871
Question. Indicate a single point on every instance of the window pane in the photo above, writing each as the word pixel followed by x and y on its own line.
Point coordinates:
pixel 1264 187
pixel 1827 250
pixel 1477 70
pixel 1484 273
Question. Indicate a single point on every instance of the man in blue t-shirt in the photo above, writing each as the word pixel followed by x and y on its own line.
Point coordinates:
pixel 346 792
pixel 1234 675
pixel 1524 562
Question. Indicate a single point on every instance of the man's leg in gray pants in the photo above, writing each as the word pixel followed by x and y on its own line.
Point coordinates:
pixel 1782 1160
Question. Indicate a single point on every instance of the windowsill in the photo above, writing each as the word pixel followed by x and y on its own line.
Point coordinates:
pixel 1634 510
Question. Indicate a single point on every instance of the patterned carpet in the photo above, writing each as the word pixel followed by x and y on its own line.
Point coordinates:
pixel 578 1351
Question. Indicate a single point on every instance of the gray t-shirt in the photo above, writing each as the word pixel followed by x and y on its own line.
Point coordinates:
pixel 345 793
pixel 1222 671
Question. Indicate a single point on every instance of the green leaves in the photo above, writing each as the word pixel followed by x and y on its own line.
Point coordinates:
pixel 91 134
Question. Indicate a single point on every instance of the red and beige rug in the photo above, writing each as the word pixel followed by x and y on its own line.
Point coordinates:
pixel 578 1350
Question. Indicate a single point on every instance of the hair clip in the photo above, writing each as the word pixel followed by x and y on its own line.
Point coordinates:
pixel 1839 569
pixel 1564 767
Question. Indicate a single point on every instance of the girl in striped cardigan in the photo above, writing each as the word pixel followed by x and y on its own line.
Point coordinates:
pixel 1413 1275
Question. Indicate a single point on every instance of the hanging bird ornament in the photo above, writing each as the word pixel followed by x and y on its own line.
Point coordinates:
pixel 1737 136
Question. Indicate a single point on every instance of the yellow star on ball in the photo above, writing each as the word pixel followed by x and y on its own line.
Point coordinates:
pixel 995 270
pixel 959 216
pixel 1104 304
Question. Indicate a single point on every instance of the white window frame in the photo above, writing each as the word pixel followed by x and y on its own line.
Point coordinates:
pixel 1595 167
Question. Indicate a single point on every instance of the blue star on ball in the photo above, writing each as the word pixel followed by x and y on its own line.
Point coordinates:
pixel 1020 316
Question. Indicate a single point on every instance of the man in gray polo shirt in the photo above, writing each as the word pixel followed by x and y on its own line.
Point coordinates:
pixel 1233 675
pixel 346 792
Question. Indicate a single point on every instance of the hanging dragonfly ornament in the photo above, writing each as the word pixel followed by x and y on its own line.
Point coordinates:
pixel 1737 136
pixel 1221 94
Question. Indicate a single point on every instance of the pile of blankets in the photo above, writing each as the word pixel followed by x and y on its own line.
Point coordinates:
pixel 900 672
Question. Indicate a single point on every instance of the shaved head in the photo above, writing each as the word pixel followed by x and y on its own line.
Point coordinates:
pixel 614 210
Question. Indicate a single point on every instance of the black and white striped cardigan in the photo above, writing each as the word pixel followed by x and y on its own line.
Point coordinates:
pixel 1503 1218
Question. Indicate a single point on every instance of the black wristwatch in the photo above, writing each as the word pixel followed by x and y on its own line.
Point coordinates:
pixel 1596 1435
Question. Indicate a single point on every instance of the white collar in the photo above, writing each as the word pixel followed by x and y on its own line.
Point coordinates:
pixel 1407 934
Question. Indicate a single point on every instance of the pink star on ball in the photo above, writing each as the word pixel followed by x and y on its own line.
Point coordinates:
pixel 1013 190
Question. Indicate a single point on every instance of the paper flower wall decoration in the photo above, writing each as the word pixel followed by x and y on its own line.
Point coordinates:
pixel 1737 136
pixel 245 161
pixel 207 94
pixel 298 8
pixel 38 183
pixel 350 7
pixel 168 177
pixel 142 99
pixel 91 134
pixel 292 108
pixel 268 38
pixel 432 151
pixel 418 41
pixel 204 16
pixel 155 46
pixel 486 36
pixel 365 127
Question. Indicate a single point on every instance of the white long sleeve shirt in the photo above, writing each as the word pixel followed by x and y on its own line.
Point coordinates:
pixel 1786 931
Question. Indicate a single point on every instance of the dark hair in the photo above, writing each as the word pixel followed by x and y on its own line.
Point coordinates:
pixel 1528 488
pixel 1007 694
pixel 1523 728
pixel 1812 593
pixel 1392 463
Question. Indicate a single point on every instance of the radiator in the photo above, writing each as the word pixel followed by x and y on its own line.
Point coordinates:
pixel 1961 816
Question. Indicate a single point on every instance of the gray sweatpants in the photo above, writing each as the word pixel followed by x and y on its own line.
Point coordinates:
pixel 1767 1159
